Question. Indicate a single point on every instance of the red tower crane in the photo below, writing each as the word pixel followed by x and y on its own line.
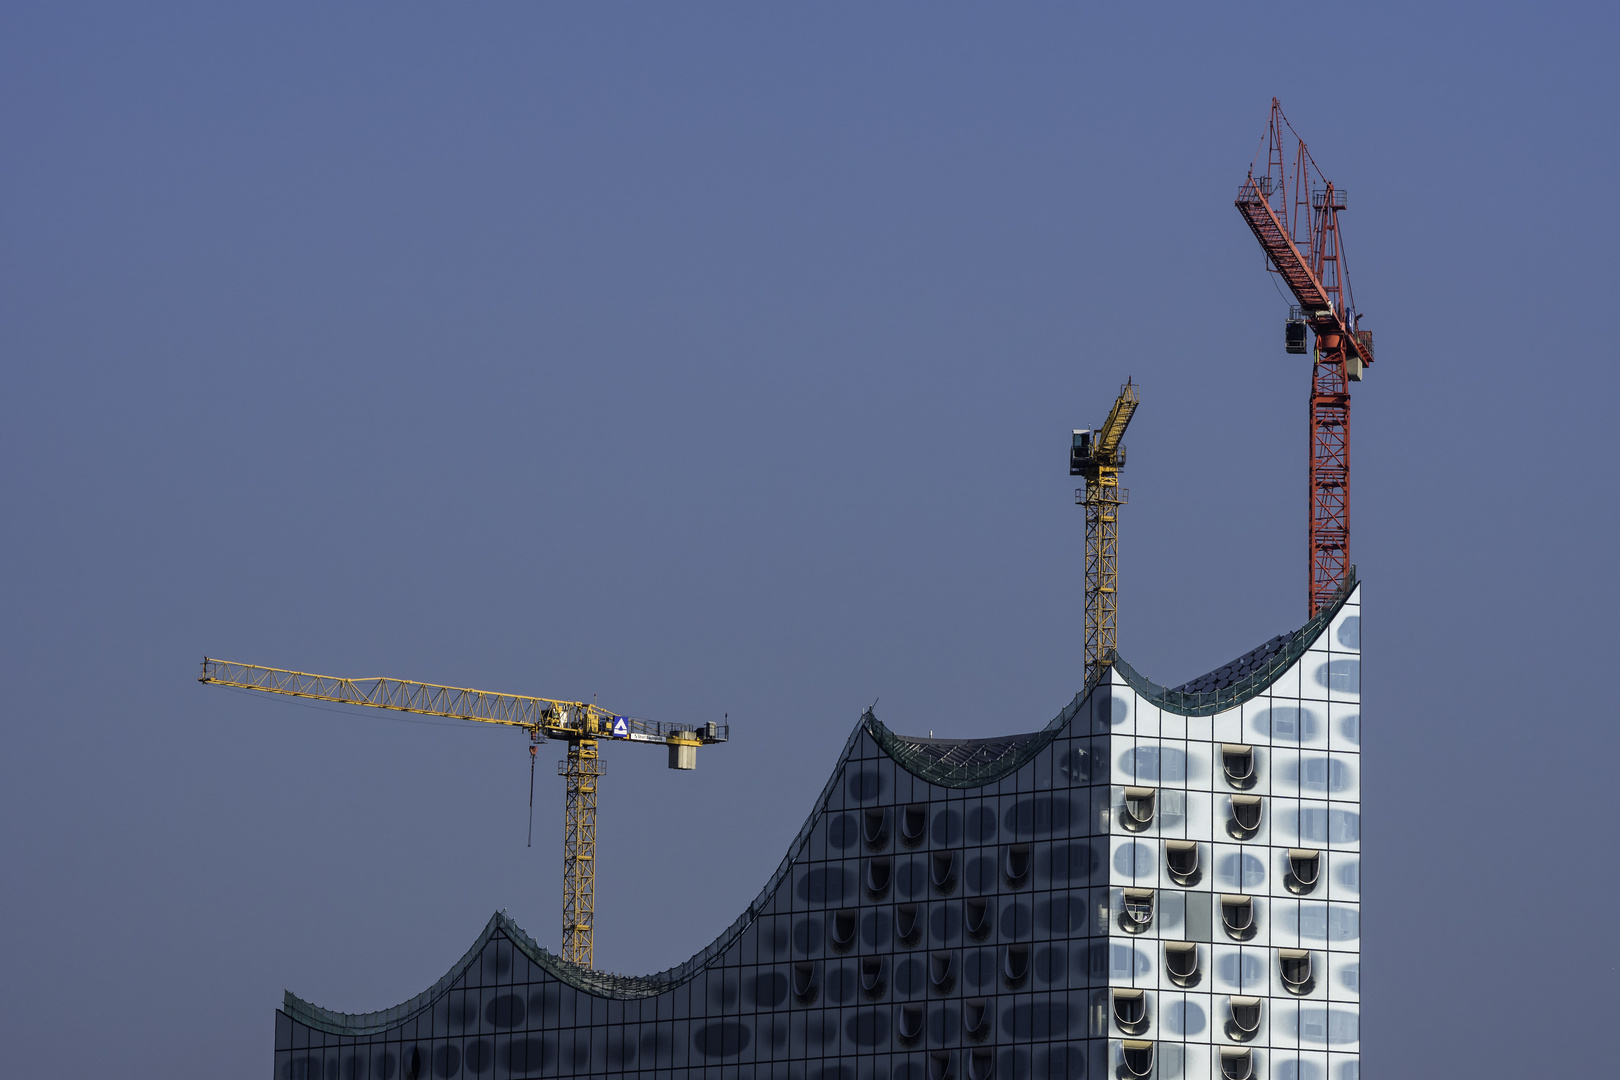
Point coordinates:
pixel 1294 212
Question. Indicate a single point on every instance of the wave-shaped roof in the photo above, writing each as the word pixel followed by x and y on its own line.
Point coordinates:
pixel 952 763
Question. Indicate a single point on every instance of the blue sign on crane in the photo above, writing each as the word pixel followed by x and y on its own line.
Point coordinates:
pixel 621 728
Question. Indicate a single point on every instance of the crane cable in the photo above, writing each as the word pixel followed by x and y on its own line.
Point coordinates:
pixel 533 753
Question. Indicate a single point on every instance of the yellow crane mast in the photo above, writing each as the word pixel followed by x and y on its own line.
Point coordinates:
pixel 1098 456
pixel 579 724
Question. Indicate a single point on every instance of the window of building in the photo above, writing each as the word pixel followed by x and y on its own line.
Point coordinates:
pixel 910 1023
pixel 1138 813
pixel 1304 869
pixel 1181 962
pixel 914 824
pixel 1137 910
pixel 875 828
pixel 976 1018
pixel 906 923
pixel 978 917
pixel 981 1063
pixel 1137 1057
pixel 1295 965
pixel 843 929
pixel 1245 1018
pixel 942 870
pixel 941 1065
pixel 1015 964
pixel 1237 763
pixel 879 872
pixel 1237 915
pixel 942 970
pixel 1181 860
pixel 1016 864
pixel 1130 1011
pixel 804 981
pixel 1172 809
pixel 1236 1064
pixel 1245 820
pixel 872 981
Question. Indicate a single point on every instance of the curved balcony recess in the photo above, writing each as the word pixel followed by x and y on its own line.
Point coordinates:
pixel 1131 1011
pixel 1236 1064
pixel 1237 765
pixel 1181 861
pixel 1304 870
pixel 1139 803
pixel 1137 1057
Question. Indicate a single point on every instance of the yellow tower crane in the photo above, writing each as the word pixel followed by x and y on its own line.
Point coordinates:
pixel 1098 456
pixel 576 723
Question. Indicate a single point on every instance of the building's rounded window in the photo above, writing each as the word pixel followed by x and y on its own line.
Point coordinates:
pixel 981 1063
pixel 1245 819
pixel 914 824
pixel 941 1065
pixel 1295 966
pixel 907 924
pixel 804 981
pixel 1015 964
pixel 875 828
pixel 1181 860
pixel 1237 764
pixel 1131 1011
pixel 978 918
pixel 1136 912
pixel 1137 1057
pixel 976 1017
pixel 1236 1064
pixel 1304 870
pixel 1237 916
pixel 843 929
pixel 872 980
pixel 879 872
pixel 1181 962
pixel 1016 864
pixel 910 1025
pixel 942 870
pixel 1138 813
pixel 1245 1018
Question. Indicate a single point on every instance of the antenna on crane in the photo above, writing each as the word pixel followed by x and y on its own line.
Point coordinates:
pixel 1098 456
pixel 1293 211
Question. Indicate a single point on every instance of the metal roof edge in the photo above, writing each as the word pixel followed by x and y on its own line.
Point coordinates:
pixel 1188 703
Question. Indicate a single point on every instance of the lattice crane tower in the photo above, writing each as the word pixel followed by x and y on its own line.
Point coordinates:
pixel 1098 456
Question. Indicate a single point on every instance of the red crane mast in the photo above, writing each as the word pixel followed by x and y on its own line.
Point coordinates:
pixel 1294 212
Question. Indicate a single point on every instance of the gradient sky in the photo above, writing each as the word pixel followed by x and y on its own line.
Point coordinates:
pixel 722 358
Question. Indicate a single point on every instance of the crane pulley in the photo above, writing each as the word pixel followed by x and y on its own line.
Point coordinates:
pixel 1293 211
pixel 1098 456
pixel 582 725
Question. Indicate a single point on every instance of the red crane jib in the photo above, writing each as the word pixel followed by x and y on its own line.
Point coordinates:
pixel 1325 321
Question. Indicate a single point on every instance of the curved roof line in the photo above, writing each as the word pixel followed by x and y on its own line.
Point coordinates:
pixel 950 763
pixel 1250 675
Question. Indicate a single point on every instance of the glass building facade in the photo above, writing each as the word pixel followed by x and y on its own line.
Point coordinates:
pixel 1160 883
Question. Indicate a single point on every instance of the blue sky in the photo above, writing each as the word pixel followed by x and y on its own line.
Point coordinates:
pixel 721 359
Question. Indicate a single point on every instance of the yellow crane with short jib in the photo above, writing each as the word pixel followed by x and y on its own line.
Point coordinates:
pixel 580 724
pixel 1098 456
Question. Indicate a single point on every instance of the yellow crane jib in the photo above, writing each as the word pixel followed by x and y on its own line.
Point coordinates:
pixel 582 725
pixel 1098 456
